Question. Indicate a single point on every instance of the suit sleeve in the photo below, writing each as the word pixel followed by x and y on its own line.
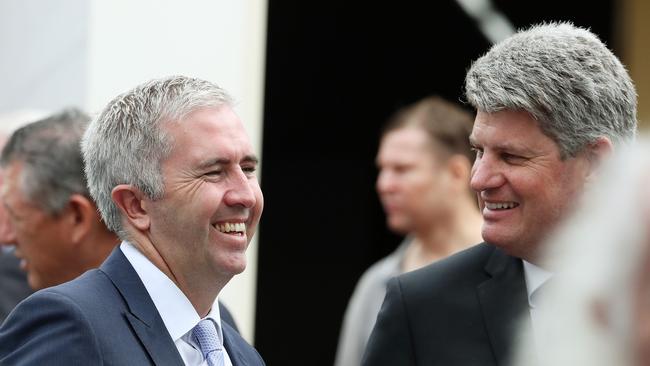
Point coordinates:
pixel 48 329
pixel 390 342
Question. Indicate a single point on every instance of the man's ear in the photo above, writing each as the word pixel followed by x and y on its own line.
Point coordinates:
pixel 82 214
pixel 596 153
pixel 129 200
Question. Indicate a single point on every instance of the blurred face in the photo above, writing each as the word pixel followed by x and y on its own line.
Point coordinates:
pixel 523 186
pixel 411 182
pixel 41 240
pixel 212 201
pixel 641 307
pixel 6 231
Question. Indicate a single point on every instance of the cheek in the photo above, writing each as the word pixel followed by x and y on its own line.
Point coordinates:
pixel 427 188
pixel 259 202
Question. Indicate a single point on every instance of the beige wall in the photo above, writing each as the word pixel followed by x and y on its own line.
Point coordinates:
pixel 633 39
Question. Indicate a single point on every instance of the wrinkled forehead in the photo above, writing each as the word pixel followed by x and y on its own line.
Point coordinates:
pixel 11 182
pixel 210 133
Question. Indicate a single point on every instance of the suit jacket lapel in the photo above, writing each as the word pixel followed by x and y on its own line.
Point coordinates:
pixel 504 302
pixel 143 316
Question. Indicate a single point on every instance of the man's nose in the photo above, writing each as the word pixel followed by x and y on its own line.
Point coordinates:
pixel 7 233
pixel 241 191
pixel 385 182
pixel 486 174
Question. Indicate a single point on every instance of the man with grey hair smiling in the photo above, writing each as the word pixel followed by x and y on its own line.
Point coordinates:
pixel 173 174
pixel 552 102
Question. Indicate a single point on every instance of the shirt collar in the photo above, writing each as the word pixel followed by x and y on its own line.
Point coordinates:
pixel 535 278
pixel 175 309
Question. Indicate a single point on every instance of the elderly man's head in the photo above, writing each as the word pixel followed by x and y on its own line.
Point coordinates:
pixel 173 172
pixel 551 102
pixel 45 195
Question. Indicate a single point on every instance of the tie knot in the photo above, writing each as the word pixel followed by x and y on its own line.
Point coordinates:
pixel 205 334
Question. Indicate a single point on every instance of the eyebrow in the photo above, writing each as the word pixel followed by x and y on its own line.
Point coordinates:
pixel 505 146
pixel 223 161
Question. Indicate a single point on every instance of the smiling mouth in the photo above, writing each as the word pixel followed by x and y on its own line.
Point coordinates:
pixel 501 205
pixel 234 228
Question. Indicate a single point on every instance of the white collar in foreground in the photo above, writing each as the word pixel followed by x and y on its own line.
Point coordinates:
pixel 535 277
pixel 174 307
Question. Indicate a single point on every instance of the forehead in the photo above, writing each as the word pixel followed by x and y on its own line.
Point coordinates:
pixel 405 143
pixel 509 130
pixel 9 177
pixel 11 180
pixel 209 131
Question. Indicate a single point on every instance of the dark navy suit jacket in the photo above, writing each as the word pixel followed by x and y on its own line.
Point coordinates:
pixel 104 317
pixel 463 310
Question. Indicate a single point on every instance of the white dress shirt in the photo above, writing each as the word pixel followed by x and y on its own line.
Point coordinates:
pixel 535 277
pixel 174 308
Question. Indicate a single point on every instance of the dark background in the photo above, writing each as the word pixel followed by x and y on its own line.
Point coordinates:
pixel 335 71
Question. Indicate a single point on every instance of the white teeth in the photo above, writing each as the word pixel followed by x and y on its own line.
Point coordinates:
pixel 238 227
pixel 500 205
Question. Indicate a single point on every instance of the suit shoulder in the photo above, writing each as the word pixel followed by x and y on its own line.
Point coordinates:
pixel 239 347
pixel 92 287
pixel 48 325
pixel 468 264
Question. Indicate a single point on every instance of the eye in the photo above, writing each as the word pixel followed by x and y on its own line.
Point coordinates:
pixel 511 158
pixel 214 173
pixel 249 170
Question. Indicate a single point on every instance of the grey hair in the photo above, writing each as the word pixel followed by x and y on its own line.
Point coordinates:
pixel 126 143
pixel 565 78
pixel 50 153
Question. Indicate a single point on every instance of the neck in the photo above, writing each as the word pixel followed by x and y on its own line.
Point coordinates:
pixel 200 292
pixel 458 230
pixel 95 248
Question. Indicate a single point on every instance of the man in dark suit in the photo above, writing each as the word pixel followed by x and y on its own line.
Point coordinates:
pixel 552 102
pixel 173 174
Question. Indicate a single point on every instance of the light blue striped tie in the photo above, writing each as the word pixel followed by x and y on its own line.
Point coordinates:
pixel 205 334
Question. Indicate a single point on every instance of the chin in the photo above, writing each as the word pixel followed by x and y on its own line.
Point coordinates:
pixel 397 226
pixel 35 283
pixel 501 241
pixel 234 265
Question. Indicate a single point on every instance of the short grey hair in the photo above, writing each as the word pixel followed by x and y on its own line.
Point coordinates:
pixel 51 156
pixel 565 78
pixel 126 143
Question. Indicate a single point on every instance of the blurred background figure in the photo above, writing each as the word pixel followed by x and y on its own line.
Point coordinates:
pixel 13 282
pixel 424 163
pixel 596 310
pixel 54 224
